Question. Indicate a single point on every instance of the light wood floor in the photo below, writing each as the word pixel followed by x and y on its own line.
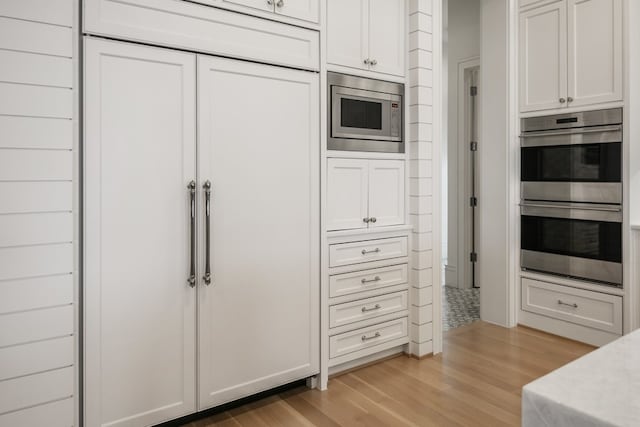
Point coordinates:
pixel 476 381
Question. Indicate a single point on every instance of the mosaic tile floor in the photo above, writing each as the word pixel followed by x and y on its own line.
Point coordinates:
pixel 459 307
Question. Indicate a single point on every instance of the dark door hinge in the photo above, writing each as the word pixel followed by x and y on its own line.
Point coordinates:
pixel 473 202
pixel 474 90
pixel 473 146
pixel 473 257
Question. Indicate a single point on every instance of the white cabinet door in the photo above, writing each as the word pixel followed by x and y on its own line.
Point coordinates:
pixel 307 10
pixel 595 51
pixel 543 57
pixel 386 192
pixel 347 33
pixel 266 5
pixel 347 193
pixel 259 146
pixel 387 36
pixel 140 312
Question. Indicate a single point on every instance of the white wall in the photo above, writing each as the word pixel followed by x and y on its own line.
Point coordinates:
pixel 494 150
pixel 461 43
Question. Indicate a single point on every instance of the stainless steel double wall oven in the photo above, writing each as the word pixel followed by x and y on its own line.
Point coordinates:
pixel 571 190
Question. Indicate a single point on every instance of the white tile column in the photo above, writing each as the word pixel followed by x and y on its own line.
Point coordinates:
pixel 421 190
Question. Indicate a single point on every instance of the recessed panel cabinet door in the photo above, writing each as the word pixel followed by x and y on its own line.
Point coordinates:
pixel 307 10
pixel 387 36
pixel 258 136
pixel 139 309
pixel 543 57
pixel 595 51
pixel 347 194
pixel 386 192
pixel 348 33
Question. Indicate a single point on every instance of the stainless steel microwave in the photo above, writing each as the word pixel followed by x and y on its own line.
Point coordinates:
pixel 364 114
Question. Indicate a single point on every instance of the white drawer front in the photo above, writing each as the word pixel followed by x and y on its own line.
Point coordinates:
pixel 359 281
pixel 370 250
pixel 370 336
pixel 368 308
pixel 592 309
pixel 204 29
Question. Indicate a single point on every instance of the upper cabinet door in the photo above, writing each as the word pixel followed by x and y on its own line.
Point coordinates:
pixel 387 36
pixel 259 145
pixel 140 155
pixel 266 5
pixel 543 57
pixel 347 194
pixel 307 10
pixel 386 192
pixel 347 33
pixel 595 51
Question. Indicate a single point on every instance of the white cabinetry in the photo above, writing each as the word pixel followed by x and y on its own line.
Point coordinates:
pixel 570 54
pixel 367 303
pixel 259 317
pixel 364 193
pixel 306 10
pixel 150 356
pixel 140 313
pixel 367 35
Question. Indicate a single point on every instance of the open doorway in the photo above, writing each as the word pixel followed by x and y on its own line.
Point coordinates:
pixel 461 77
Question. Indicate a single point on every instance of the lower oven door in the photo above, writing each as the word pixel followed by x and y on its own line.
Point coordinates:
pixel 573 240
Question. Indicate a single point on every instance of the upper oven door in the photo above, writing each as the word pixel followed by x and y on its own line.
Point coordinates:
pixel 363 114
pixel 582 165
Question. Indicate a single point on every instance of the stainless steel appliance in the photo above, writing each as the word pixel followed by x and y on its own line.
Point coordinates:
pixel 571 210
pixel 577 240
pixel 573 157
pixel 364 114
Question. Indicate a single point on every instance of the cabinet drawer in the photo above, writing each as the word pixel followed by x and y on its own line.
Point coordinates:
pixel 375 278
pixel 370 250
pixel 370 336
pixel 200 28
pixel 587 308
pixel 368 308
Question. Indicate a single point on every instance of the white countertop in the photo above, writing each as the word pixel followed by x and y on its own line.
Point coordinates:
pixel 601 388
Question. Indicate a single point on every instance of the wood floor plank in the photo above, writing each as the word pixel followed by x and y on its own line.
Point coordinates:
pixel 476 381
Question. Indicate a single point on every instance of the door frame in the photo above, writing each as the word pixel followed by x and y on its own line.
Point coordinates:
pixel 512 125
pixel 464 178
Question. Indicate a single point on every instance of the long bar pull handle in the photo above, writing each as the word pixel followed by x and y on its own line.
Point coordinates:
pixel 374 336
pixel 192 270
pixel 375 279
pixel 365 252
pixel 207 226
pixel 574 305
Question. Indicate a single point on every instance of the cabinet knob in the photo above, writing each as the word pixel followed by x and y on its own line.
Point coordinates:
pixel 366 220
pixel 270 2
pixel 562 100
pixel 280 3
pixel 374 62
pixel 569 99
pixel 374 219
pixel 366 61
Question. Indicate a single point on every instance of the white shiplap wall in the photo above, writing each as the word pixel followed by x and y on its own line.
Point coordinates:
pixel 37 227
pixel 421 174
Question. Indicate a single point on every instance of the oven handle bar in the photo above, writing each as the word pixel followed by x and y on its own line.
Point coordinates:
pixel 600 129
pixel 584 208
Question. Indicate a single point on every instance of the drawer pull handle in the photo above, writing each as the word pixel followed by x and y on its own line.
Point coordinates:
pixel 366 338
pixel 375 307
pixel 375 251
pixel 375 279
pixel 574 305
